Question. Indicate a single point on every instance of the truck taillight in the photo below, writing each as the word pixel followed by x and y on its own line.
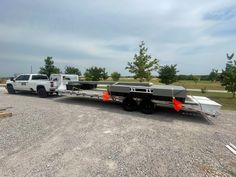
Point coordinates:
pixel 51 84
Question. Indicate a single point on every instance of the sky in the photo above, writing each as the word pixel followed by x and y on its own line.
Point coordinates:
pixel 194 34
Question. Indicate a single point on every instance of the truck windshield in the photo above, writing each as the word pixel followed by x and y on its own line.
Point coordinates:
pixel 39 77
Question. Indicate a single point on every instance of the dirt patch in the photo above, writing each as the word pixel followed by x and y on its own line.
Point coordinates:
pixel 3 81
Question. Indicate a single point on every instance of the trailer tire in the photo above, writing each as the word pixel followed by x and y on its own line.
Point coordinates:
pixel 129 104
pixel 42 92
pixel 10 89
pixel 147 106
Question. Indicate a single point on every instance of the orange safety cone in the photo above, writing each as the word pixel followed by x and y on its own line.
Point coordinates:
pixel 105 96
pixel 177 104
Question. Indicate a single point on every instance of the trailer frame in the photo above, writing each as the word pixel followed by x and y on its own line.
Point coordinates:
pixel 193 104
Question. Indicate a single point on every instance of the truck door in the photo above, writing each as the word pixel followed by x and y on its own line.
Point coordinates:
pixel 21 82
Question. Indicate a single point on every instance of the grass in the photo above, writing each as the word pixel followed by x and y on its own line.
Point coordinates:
pixel 225 99
pixel 188 84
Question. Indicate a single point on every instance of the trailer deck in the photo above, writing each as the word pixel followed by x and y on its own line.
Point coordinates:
pixel 145 96
pixel 134 89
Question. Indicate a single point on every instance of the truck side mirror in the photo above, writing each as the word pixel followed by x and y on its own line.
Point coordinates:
pixel 12 79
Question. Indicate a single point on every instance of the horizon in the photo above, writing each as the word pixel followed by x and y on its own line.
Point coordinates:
pixel 109 75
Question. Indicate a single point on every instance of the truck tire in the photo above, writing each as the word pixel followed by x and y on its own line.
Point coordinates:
pixel 42 92
pixel 10 89
pixel 147 106
pixel 129 104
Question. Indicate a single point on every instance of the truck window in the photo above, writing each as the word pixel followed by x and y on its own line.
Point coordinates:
pixel 70 78
pixel 23 78
pixel 66 78
pixel 39 77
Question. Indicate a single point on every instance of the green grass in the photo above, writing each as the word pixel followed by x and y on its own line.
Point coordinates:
pixel 102 86
pixel 225 99
pixel 188 84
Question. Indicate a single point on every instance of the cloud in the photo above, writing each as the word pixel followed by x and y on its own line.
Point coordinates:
pixel 195 35
pixel 223 14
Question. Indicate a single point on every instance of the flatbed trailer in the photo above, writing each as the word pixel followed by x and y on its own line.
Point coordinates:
pixel 145 96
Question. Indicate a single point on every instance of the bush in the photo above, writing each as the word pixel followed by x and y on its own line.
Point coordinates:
pixel 204 90
pixel 72 70
pixel 115 76
pixel 95 74
pixel 167 74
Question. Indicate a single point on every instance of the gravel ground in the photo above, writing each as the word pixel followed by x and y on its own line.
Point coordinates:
pixel 74 136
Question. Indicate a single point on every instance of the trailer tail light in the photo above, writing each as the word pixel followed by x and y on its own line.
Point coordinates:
pixel 51 84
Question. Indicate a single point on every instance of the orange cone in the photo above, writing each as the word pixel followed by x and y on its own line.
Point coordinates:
pixel 177 104
pixel 105 96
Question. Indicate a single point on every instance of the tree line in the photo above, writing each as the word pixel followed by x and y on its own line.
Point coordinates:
pixel 143 65
pixel 91 74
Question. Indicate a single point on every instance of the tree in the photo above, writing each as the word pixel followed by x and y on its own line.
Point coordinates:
pixel 95 74
pixel 195 79
pixel 115 76
pixel 104 74
pixel 213 76
pixel 72 70
pixel 49 67
pixel 229 75
pixel 167 74
pixel 142 64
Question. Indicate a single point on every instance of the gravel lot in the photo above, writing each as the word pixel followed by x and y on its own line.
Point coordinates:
pixel 74 136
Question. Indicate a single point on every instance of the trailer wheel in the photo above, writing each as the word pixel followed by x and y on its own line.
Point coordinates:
pixel 42 92
pixel 147 106
pixel 129 104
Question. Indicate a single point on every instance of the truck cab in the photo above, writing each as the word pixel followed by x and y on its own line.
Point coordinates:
pixel 20 82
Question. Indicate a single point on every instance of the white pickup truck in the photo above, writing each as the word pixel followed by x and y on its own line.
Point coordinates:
pixel 38 83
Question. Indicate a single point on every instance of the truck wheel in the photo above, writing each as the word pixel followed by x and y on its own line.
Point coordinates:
pixel 10 89
pixel 129 104
pixel 147 106
pixel 42 93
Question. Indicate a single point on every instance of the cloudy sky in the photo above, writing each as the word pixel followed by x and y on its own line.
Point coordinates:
pixel 195 35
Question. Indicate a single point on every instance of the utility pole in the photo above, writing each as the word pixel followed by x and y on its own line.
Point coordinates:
pixel 31 69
